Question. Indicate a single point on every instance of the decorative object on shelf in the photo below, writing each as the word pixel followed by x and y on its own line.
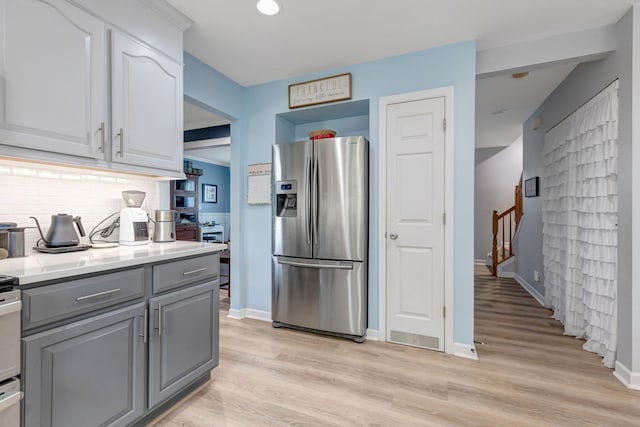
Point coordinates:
pixel 320 91
pixel 188 168
pixel 259 184
pixel 321 133
pixel 209 193
pixel 531 187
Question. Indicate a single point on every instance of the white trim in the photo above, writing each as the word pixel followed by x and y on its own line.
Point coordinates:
pixel 372 335
pixel 506 274
pixel 447 93
pixel 480 261
pixel 170 13
pixel 264 316
pixel 236 314
pixel 532 291
pixel 249 313
pixel 207 143
pixel 465 350
pixel 625 376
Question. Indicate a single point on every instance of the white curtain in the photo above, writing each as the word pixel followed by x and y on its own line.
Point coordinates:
pixel 579 216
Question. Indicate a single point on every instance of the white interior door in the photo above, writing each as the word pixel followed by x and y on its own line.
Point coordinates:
pixel 415 223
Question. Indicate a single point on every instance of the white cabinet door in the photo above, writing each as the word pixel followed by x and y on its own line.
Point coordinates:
pixel 146 106
pixel 52 77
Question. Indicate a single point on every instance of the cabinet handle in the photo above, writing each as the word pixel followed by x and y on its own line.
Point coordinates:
pixel 102 137
pixel 99 294
pixel 121 135
pixel 145 325
pixel 159 320
pixel 189 273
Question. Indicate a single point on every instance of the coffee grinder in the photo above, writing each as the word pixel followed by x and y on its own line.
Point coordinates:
pixel 134 225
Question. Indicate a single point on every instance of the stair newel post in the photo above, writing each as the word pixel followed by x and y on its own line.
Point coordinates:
pixel 494 249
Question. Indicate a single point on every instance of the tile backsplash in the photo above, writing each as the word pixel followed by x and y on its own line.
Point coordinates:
pixel 41 190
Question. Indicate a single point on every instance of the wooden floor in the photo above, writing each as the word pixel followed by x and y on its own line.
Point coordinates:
pixel 528 374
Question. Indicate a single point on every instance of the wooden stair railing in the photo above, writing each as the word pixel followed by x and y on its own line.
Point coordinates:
pixel 503 222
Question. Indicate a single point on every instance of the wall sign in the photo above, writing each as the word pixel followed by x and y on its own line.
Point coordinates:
pixel 531 187
pixel 320 91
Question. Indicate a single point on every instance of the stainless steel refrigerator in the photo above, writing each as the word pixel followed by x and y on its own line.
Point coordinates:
pixel 320 235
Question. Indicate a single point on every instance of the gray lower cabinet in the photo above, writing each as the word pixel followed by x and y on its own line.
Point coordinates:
pixel 88 373
pixel 183 339
pixel 113 369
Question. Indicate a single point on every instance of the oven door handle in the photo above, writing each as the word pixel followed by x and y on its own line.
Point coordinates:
pixel 11 399
pixel 12 307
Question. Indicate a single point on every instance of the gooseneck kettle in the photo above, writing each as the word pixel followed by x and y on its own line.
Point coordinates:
pixel 61 233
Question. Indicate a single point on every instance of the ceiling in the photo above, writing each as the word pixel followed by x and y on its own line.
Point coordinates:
pixel 196 117
pixel 503 103
pixel 249 48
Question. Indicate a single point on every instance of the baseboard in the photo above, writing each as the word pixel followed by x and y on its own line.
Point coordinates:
pixel 249 313
pixel 464 350
pixel 480 261
pixel 625 376
pixel 506 274
pixel 372 335
pixel 236 314
pixel 264 316
pixel 532 291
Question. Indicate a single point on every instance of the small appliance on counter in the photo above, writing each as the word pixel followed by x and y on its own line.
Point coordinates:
pixel 134 225
pixel 165 226
pixel 11 240
pixel 61 236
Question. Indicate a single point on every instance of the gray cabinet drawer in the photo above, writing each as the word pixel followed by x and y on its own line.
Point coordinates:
pixel 178 273
pixel 51 303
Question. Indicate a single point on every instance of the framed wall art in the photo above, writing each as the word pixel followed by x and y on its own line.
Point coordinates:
pixel 209 193
pixel 532 187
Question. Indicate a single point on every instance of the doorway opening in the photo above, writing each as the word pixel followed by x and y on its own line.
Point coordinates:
pixel 207 154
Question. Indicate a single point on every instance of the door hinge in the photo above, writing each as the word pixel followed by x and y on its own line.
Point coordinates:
pixel 444 218
pixel 444 311
pixel 444 124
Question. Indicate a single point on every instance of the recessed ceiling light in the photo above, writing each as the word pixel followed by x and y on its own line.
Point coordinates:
pixel 268 7
pixel 520 75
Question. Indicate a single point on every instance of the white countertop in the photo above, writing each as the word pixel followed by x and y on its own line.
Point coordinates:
pixel 38 267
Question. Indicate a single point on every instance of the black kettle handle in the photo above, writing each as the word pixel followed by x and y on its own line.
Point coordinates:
pixel 78 222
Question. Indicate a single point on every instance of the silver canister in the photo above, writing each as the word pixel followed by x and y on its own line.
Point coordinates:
pixel 165 226
pixel 12 239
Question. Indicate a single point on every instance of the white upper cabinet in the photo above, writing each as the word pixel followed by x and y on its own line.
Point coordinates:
pixel 147 114
pixel 56 85
pixel 52 78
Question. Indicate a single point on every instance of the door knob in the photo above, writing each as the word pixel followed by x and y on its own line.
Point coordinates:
pixel 393 235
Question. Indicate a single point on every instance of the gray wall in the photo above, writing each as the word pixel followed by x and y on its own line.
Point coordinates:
pixel 496 179
pixel 585 81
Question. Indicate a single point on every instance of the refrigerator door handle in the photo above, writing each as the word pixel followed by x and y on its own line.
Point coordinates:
pixel 316 188
pixel 307 203
pixel 341 266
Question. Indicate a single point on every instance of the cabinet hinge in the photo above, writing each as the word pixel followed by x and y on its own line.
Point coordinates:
pixel 444 124
pixel 444 218
pixel 444 311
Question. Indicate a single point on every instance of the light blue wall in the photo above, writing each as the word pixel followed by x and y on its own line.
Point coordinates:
pixel 215 175
pixel 452 65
